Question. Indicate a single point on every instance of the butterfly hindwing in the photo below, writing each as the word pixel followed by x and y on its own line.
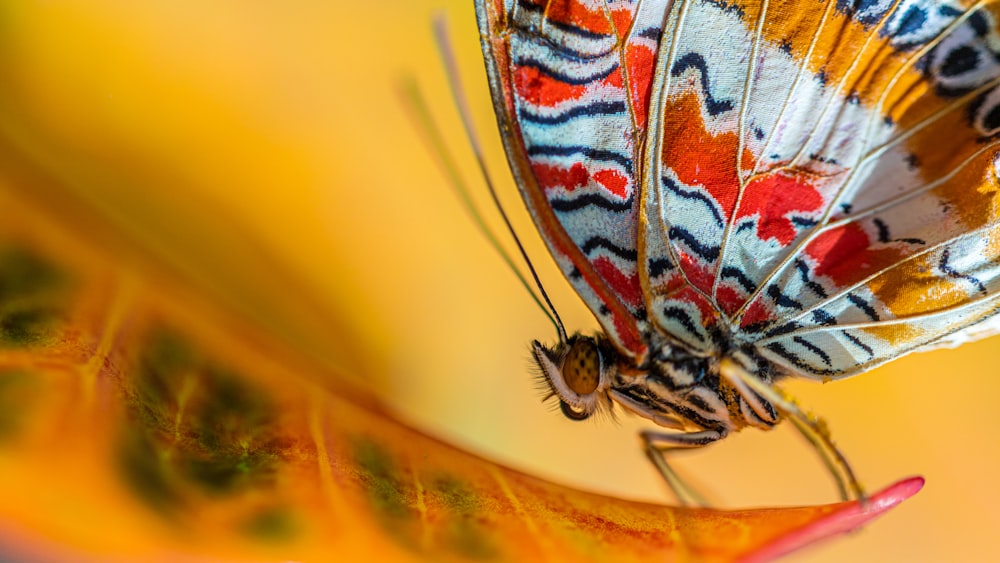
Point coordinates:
pixel 808 165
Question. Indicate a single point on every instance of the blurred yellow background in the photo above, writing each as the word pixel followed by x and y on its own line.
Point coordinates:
pixel 187 122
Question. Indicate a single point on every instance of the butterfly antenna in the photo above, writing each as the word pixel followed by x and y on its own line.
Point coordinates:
pixel 419 106
pixel 451 170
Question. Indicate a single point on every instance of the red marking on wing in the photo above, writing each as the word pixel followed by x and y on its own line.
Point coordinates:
pixel 729 299
pixel 700 158
pixel 539 89
pixel 579 16
pixel 627 287
pixel 696 273
pixel 613 181
pixel 577 176
pixel 772 197
pixel 640 59
pixel 623 19
pixel 615 79
pixel 844 255
pixel 756 313
pixel 549 176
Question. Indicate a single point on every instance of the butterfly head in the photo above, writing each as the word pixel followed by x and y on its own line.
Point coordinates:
pixel 578 373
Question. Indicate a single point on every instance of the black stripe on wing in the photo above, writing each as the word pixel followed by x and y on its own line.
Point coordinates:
pixel 955 274
pixel 864 306
pixel 814 349
pixel 541 66
pixel 791 326
pixel 884 236
pixel 734 273
pixel 590 110
pixel 553 37
pixel 591 199
pixel 708 252
pixel 659 266
pixel 819 316
pixel 672 187
pixel 653 33
pixel 582 150
pixel 592 243
pixel 697 62
pixel 854 340
pixel 822 318
pixel 529 7
pixel 803 269
pixel 681 316
pixel 798 362
pixel 781 299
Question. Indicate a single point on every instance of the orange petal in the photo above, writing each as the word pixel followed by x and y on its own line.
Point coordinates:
pixel 141 421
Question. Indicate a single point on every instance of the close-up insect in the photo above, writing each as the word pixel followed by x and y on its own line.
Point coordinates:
pixel 745 192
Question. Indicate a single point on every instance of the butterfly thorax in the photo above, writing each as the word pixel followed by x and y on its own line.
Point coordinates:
pixel 673 387
pixel 684 391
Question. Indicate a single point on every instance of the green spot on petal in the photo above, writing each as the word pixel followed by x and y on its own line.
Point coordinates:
pixel 382 480
pixel 203 429
pixel 463 531
pixel 27 327
pixel 455 494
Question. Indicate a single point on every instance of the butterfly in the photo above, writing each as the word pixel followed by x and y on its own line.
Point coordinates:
pixel 746 191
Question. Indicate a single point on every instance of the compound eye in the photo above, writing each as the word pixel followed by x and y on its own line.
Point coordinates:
pixel 581 369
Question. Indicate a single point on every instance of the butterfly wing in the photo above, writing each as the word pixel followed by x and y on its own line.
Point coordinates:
pixel 570 83
pixel 823 179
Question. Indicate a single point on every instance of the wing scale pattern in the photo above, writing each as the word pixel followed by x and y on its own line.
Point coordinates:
pixel 820 184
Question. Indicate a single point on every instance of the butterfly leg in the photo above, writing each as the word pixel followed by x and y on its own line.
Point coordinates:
pixel 812 428
pixel 657 444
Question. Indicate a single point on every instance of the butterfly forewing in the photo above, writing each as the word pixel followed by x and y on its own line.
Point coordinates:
pixel 571 81
pixel 817 180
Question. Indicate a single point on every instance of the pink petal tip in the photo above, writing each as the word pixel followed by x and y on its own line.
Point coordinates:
pixel 850 516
